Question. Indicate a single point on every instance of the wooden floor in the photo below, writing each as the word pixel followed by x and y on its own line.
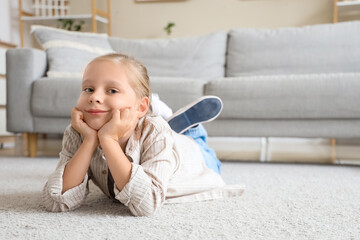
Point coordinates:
pixel 240 149
pixel 48 146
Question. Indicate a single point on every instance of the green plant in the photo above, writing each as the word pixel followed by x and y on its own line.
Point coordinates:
pixel 168 28
pixel 71 25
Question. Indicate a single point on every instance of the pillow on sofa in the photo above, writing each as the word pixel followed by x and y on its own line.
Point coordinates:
pixel 201 57
pixel 69 52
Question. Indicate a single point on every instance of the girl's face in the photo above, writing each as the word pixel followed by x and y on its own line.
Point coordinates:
pixel 105 87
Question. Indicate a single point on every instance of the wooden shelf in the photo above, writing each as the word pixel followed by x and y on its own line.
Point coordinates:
pixel 348 6
pixel 345 6
pixel 7 45
pixel 348 3
pixel 79 17
pixel 96 16
pixel 7 138
pixel 2 76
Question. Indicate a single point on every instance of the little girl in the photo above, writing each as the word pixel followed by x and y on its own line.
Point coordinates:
pixel 130 154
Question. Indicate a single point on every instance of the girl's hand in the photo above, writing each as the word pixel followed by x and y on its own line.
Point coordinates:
pixel 120 125
pixel 78 123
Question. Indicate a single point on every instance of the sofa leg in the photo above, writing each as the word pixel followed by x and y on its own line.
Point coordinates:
pixel 24 144
pixel 333 150
pixel 32 144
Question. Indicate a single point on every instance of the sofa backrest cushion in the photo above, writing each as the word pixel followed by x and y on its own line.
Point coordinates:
pixel 176 91
pixel 200 57
pixel 326 48
pixel 69 52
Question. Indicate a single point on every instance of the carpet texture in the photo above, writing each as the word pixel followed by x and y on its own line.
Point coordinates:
pixel 281 201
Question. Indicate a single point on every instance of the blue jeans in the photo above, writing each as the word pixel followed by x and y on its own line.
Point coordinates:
pixel 199 134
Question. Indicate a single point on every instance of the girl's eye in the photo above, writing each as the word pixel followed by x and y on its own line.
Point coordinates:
pixel 88 90
pixel 113 91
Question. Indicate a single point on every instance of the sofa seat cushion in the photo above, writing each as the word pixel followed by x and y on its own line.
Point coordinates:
pixel 201 57
pixel 55 97
pixel 294 128
pixel 311 96
pixel 326 48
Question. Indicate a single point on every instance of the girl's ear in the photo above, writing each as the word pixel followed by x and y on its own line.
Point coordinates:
pixel 143 107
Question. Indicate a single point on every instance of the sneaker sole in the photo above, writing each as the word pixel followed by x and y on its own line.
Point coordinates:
pixel 190 113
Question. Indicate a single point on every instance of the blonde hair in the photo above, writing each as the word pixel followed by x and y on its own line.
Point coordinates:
pixel 135 71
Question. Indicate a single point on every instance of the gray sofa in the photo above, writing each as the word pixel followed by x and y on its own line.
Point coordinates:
pixel 288 82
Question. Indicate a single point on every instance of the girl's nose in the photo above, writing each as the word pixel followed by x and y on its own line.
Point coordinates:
pixel 95 98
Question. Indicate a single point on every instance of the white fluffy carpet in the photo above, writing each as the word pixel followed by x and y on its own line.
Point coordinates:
pixel 281 201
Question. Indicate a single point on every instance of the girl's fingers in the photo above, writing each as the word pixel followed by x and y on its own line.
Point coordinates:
pixel 77 113
pixel 125 113
pixel 74 114
pixel 116 113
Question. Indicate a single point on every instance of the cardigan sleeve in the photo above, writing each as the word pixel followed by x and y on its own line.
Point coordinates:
pixel 52 198
pixel 145 192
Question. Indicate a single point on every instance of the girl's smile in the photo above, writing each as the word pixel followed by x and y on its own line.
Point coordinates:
pixel 96 112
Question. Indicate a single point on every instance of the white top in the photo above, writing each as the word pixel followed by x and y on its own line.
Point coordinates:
pixel 167 168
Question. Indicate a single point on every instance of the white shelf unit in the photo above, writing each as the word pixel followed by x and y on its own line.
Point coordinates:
pixel 78 17
pixel 348 3
pixel 95 16
pixel 345 6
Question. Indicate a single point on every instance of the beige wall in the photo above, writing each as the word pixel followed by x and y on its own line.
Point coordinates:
pixel 194 17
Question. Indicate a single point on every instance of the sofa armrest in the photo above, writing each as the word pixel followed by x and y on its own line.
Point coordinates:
pixel 23 66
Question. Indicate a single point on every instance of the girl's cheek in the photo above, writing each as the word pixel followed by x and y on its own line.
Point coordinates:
pixel 80 102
